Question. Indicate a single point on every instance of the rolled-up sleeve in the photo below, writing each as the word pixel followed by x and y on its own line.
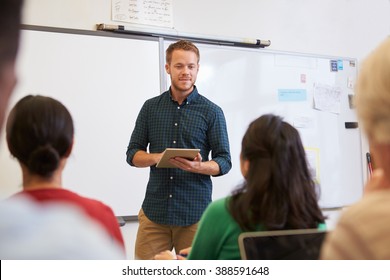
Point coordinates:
pixel 139 137
pixel 219 142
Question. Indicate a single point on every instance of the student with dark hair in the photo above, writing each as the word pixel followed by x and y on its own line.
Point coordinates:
pixel 278 193
pixel 278 188
pixel 39 135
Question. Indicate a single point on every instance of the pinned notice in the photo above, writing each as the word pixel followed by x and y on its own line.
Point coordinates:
pixel 287 95
pixel 327 98
pixel 148 12
pixel 333 65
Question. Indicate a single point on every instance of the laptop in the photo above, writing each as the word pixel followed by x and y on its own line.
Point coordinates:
pixel 301 244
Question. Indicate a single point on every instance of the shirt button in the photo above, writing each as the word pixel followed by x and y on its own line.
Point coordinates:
pixel 174 142
pixel 171 178
pixel 175 124
pixel 170 196
pixel 178 107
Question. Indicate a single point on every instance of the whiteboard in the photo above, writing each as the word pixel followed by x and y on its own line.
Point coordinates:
pixel 105 78
pixel 247 83
pixel 103 81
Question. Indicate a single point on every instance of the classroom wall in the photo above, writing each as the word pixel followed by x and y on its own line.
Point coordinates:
pixel 348 28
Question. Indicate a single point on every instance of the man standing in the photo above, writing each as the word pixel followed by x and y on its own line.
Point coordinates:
pixel 179 118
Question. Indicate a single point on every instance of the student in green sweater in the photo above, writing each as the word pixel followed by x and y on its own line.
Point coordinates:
pixel 278 193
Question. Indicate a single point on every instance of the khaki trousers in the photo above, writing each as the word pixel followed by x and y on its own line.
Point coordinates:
pixel 154 238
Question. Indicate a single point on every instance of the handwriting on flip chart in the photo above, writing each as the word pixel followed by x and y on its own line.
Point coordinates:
pixel 149 12
pixel 327 98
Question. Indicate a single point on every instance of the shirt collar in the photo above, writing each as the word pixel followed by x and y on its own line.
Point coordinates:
pixel 190 98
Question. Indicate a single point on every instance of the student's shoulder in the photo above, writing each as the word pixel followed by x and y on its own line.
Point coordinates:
pixel 218 206
pixel 217 215
pixel 90 202
pixel 84 239
pixel 372 211
pixel 372 204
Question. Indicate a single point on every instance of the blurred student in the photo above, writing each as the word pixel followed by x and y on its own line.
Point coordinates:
pixel 363 230
pixel 29 230
pixel 278 193
pixel 39 135
pixel 10 20
pixel 51 231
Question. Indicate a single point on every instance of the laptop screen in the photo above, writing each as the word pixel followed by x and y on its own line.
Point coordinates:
pixel 281 245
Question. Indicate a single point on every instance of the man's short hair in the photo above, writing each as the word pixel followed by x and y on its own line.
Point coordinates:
pixel 181 45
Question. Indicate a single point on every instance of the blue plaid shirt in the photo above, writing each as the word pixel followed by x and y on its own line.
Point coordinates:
pixel 173 196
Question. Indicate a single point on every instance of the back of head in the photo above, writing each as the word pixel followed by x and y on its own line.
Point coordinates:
pixel 279 191
pixel 181 45
pixel 373 94
pixel 10 19
pixel 39 133
pixel 271 143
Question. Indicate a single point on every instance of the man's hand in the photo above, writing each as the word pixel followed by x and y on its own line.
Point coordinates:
pixel 188 165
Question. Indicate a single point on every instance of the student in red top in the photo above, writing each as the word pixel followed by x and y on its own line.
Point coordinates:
pixel 39 134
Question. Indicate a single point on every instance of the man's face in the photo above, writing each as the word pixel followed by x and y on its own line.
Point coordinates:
pixel 183 70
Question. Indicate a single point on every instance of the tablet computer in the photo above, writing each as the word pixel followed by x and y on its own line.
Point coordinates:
pixel 175 152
